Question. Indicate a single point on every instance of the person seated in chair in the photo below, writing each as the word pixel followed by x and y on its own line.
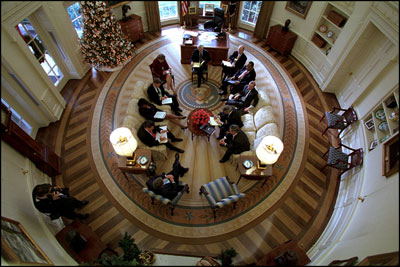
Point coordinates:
pixel 237 59
pixel 157 94
pixel 167 185
pixel 246 99
pixel 147 135
pixel 160 69
pixel 229 116
pixel 239 80
pixel 200 55
pixel 236 141
pixel 148 111
pixel 57 202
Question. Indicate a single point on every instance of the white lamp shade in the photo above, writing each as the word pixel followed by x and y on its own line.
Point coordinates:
pixel 123 142
pixel 269 150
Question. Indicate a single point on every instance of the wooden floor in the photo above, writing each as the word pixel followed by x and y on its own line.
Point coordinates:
pixel 302 216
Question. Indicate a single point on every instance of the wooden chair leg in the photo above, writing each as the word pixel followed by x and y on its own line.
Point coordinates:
pixel 152 201
pixel 234 205
pixel 322 118
pixel 215 213
pixel 326 129
pixel 172 210
pixel 324 167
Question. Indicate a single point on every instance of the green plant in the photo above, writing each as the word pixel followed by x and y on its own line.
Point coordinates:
pixel 226 256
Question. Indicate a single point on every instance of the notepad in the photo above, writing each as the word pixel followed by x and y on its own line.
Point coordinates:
pixel 160 115
pixel 227 63
pixel 167 101
pixel 159 135
pixel 213 122
pixel 196 64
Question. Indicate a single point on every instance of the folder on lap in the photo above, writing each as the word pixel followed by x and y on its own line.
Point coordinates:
pixel 159 135
pixel 167 101
pixel 160 115
pixel 196 64
pixel 227 63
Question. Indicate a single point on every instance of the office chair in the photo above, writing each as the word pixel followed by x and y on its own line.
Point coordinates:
pixel 216 23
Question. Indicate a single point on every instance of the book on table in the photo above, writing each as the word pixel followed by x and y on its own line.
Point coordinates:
pixel 159 135
pixel 227 63
pixel 167 101
pixel 160 115
pixel 207 128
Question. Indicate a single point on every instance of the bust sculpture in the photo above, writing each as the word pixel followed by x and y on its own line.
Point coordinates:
pixel 125 9
pixel 286 28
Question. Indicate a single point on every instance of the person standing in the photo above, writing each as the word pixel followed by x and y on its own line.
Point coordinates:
pixel 200 55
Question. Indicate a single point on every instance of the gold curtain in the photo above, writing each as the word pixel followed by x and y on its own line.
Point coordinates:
pixel 153 16
pixel 264 17
pixel 234 19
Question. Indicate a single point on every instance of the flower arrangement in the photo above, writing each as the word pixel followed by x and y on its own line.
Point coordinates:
pixel 200 117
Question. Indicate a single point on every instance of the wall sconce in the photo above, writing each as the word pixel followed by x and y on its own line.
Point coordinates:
pixel 268 151
pixel 124 144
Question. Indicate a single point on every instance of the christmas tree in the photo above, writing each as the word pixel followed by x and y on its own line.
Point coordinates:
pixel 103 44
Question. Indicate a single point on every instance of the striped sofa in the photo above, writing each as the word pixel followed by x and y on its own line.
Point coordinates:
pixel 220 193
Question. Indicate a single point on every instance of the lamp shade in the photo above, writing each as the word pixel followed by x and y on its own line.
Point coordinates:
pixel 269 150
pixel 123 142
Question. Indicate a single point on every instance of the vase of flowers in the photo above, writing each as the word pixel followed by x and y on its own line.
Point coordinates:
pixel 200 117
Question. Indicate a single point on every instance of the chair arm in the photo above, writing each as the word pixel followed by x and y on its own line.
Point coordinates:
pixel 347 147
pixel 336 108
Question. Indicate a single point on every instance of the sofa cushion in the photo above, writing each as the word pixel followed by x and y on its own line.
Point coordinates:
pixel 248 123
pixel 132 123
pixel 268 129
pixel 251 135
pixel 263 116
pixel 263 100
pixel 133 109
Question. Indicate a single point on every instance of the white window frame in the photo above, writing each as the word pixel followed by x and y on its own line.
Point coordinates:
pixel 245 24
pixel 170 20
pixel 79 17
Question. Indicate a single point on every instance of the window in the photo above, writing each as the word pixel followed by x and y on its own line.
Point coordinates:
pixel 215 3
pixel 74 12
pixel 35 44
pixel 15 117
pixel 250 11
pixel 168 10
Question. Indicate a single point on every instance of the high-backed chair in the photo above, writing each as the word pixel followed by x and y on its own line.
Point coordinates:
pixel 205 73
pixel 170 203
pixel 342 161
pixel 216 23
pixel 220 193
pixel 339 121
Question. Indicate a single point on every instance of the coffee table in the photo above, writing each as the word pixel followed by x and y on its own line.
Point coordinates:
pixel 194 128
pixel 253 173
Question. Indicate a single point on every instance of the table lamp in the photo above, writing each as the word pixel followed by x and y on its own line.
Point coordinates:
pixel 268 151
pixel 124 144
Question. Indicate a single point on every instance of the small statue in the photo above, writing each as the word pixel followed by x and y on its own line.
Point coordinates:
pixel 125 9
pixel 286 28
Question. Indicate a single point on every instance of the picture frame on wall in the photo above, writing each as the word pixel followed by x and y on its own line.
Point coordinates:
pixel 369 124
pixel 300 8
pixel 192 10
pixel 373 144
pixel 225 8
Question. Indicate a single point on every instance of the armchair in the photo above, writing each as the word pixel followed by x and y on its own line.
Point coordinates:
pixel 170 203
pixel 339 121
pixel 220 193
pixel 217 21
pixel 342 161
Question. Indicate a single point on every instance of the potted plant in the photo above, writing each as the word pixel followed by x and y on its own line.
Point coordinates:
pixel 226 256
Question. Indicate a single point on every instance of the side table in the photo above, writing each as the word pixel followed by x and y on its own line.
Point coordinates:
pixel 253 173
pixel 137 168
pixel 281 41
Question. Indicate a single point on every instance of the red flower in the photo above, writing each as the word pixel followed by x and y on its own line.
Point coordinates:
pixel 200 117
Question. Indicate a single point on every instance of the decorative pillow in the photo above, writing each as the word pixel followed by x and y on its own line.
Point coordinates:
pixel 263 116
pixel 133 109
pixel 248 123
pixel 268 129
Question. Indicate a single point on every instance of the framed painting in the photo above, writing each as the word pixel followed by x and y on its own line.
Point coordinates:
pixel 18 247
pixel 192 10
pixel 300 8
pixel 225 8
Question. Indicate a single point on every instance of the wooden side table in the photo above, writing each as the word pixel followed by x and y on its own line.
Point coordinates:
pixel 137 168
pixel 282 42
pixel 253 173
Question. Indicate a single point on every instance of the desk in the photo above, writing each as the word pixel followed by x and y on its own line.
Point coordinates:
pixel 137 168
pixel 218 48
pixel 253 173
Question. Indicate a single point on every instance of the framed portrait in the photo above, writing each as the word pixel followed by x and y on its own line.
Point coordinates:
pixel 209 7
pixel 18 247
pixel 369 124
pixel 300 8
pixel 225 8
pixel 373 144
pixel 192 10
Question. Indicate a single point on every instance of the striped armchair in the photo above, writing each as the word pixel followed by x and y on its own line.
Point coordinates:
pixel 220 193
pixel 170 203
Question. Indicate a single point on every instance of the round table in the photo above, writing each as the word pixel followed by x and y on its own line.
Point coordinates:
pixel 194 128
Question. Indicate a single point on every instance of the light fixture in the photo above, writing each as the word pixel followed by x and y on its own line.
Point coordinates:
pixel 268 151
pixel 124 144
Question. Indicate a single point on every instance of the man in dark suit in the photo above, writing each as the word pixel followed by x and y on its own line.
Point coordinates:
pixel 246 99
pixel 229 116
pixel 147 134
pixel 57 202
pixel 236 141
pixel 239 80
pixel 157 94
pixel 237 59
pixel 203 57
pixel 167 185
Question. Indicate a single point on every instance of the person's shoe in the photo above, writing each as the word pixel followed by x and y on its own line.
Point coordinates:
pixel 177 140
pixel 222 161
pixel 180 150
pixel 219 137
pixel 183 117
pixel 83 216
pixel 180 110
pixel 178 114
pixel 221 93
pixel 184 128
pixel 177 156
pixel 184 170
pixel 83 203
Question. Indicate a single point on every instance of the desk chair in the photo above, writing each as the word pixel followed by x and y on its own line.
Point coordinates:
pixel 216 23
pixel 205 73
pixel 339 121
pixel 342 161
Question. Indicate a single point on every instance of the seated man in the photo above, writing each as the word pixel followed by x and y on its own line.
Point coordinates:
pixel 161 70
pixel 245 100
pixel 236 141
pixel 237 59
pixel 157 94
pixel 147 134
pixel 167 185
pixel 239 80
pixel 148 111
pixel 203 57
pixel 57 202
pixel 229 116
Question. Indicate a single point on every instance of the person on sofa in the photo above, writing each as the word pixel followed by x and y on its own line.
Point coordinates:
pixel 229 116
pixel 161 70
pixel 148 111
pixel 237 59
pixel 246 99
pixel 157 94
pixel 239 80
pixel 147 134
pixel 200 55
pixel 236 141
pixel 167 185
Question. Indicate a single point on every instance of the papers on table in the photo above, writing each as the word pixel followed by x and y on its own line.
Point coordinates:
pixel 186 33
pixel 167 101
pixel 213 122
pixel 227 63
pixel 159 135
pixel 160 115
pixel 189 41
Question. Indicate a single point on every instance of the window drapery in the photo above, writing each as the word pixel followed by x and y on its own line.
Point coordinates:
pixel 153 16
pixel 264 17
